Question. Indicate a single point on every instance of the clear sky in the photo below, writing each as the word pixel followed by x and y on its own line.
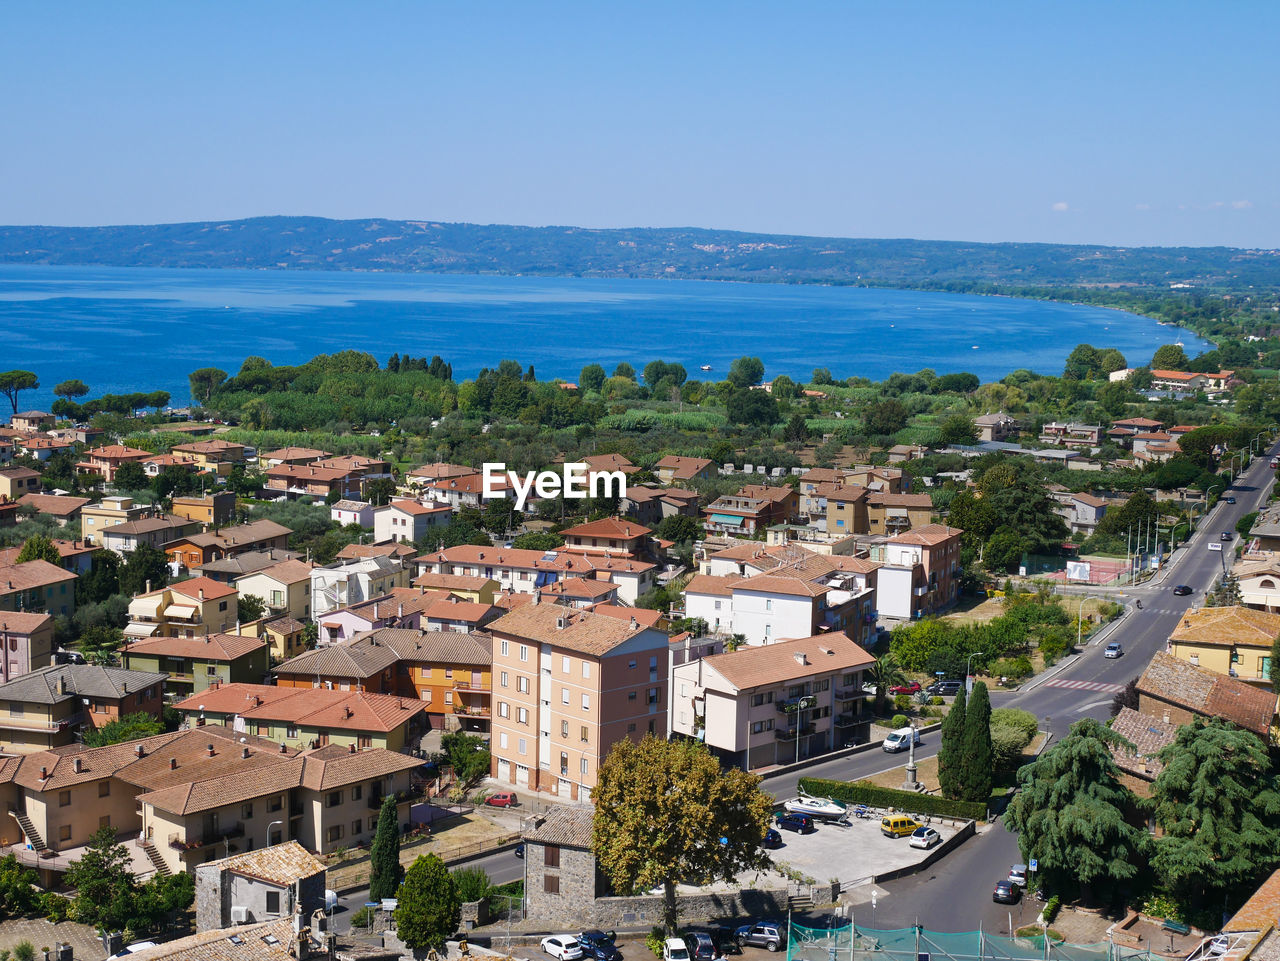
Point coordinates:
pixel 1090 122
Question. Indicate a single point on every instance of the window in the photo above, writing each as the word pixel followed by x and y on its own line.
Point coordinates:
pixel 564 695
pixel 564 664
pixel 64 799
pixel 551 855
pixel 427 695
pixel 822 685
pixel 506 648
pixel 502 740
pixel 104 821
pixel 564 728
pixel 504 710
pixel 276 803
pixel 717 605
pixel 586 670
pixel 584 767
pixel 334 833
pixel 586 702
pixel 631 695
pixel 564 764
pixel 522 715
pixel 653 695
pixel 631 664
pixel 357 792
pixel 290 732
pixel 761 726
pixel 765 698
pixel 524 652
pixel 355 827
pixel 222 606
pixel 631 729
pixel 522 684
pixel 448 697
pixel 211 670
pixel 550 884
pixel 583 735
pixel 104 789
pixel 64 833
pixel 273 902
pixel 522 746
pixel 333 800
pixel 246 811
pixel 448 674
pixel 15 709
pixel 506 679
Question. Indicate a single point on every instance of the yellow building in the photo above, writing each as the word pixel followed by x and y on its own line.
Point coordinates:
pixel 282 634
pixel 213 456
pixel 477 590
pixel 285 588
pixel 189 608
pixel 95 518
pixel 1235 641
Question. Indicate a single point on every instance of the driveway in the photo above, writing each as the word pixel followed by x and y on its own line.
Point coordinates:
pixel 850 852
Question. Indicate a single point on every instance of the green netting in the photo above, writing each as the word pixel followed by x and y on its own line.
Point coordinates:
pixel 842 941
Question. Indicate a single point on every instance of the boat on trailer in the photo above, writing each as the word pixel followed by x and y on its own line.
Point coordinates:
pixel 817 807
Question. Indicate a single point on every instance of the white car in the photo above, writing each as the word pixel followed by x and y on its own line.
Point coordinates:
pixel 1113 650
pixel 562 946
pixel 1018 875
pixel 925 838
pixel 673 949
pixel 135 948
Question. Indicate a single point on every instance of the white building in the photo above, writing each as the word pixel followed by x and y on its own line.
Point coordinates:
pixel 346 583
pixel 405 521
pixel 352 512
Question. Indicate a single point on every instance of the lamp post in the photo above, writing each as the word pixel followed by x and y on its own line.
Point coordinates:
pixel 968 687
pixel 269 827
pixel 802 704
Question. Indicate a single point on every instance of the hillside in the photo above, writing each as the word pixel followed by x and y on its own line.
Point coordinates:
pixel 312 243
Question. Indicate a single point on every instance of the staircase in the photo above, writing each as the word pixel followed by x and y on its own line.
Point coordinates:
pixel 799 902
pixel 29 829
pixel 157 862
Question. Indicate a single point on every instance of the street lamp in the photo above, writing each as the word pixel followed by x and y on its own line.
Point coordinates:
pixel 802 704
pixel 969 660
pixel 269 827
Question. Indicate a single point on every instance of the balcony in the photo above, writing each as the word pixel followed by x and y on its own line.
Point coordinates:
pixel 179 843
pixel 846 720
pixel 466 687
pixel 402 797
pixel 467 710
pixel 783 734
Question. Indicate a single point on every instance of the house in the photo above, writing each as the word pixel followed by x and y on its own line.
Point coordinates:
pixel 614 536
pixel 904 452
pixel 1259 583
pixel 1138 424
pixel 524 571
pixel 406 521
pixel 259 886
pixel 195 663
pixel 15 482
pixel 1082 512
pixel 227 569
pixel 753 508
pixel 813 479
pixel 155 532
pixel 465 490
pixel 889 513
pixel 591 681
pixel 51 706
pixel 400 607
pixel 451 613
pixel 62 509
pixel 1149 735
pixel 1265 533
pixel 346 512
pixel 42 448
pixel 349 582
pixel 361 664
pixel 845 507
pixel 76 556
pixel 651 505
pixel 95 518
pixel 364 469
pixel 292 456
pixel 32 420
pixel 285 588
pixel 1253 933
pixel 763 706
pixel 186 609
pixel 107 460
pixel 157 465
pixel 192 550
pixel 920 572
pixel 391 549
pixel 672 468
pixel 482 590
pixel 891 480
pixel 6 450
pixel 213 456
pixel 995 427
pixel 1236 641
pixel 215 510
pixel 1071 434
pixel 309 480
pixel 560 867
pixel 1177 691
pixel 580 592
pixel 284 635
pixel 429 474
pixel 1186 380
pixel 304 717
pixel 27 642
pixel 37 587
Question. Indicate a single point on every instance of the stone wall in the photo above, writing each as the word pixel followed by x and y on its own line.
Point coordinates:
pixel 573 882
pixel 647 909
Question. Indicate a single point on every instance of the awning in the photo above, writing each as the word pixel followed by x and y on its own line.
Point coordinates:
pixel 140 630
pixel 728 520
pixel 145 606
pixel 179 612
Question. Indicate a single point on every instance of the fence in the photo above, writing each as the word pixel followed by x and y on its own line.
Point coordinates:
pixel 847 942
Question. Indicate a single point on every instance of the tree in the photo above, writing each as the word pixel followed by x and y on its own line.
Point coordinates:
pixel 951 760
pixel 18 894
pixel 473 884
pixel 537 541
pixel 797 429
pixel 146 568
pixel 591 378
pixel 1217 801
pixel 101 580
pixel 885 673
pixel 104 885
pixel 467 754
pixel 14 381
pixel 1070 816
pixel 1003 551
pixel 380 490
pixel 385 870
pixel 679 529
pixel 752 408
pixel 429 909
pixel 1082 363
pixel 127 728
pixel 250 607
pixel 746 372
pixel 625 370
pixel 70 389
pixel 886 417
pixel 976 749
pixel 98 645
pixel 39 548
pixel 204 382
pixel 1169 357
pixel 131 477
pixel 666 814
pixel 957 429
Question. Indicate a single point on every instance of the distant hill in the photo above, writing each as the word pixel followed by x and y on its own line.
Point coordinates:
pixel 314 243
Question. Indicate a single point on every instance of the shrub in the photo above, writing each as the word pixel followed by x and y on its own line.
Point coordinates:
pixel 473 883
pixel 902 702
pixel 54 907
pixel 864 792
pixel 1014 668
pixel 1051 909
pixel 361 918
pixel 899 721
pixel 1006 746
pixel 1024 721
pixel 936 701
pixel 654 939
pixel 1162 906
pixel 24 951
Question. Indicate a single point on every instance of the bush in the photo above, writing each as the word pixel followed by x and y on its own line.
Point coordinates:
pixel 24 951
pixel 1015 668
pixel 473 883
pixel 1051 909
pixel 361 918
pixel 1024 721
pixel 937 701
pixel 55 907
pixel 654 940
pixel 902 702
pixel 899 721
pixel 863 792
pixel 1163 907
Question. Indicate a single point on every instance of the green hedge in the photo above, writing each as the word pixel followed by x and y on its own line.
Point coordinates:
pixel 861 792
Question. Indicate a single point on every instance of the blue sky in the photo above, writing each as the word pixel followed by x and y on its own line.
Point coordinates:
pixel 1118 123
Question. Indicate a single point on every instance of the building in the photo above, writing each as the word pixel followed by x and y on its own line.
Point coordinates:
pixel 1265 533
pixel 1149 735
pixel 428 474
pixel 285 588
pixel 482 590
pixel 890 514
pixel 364 469
pixel 213 456
pixel 154 532
pixel 228 569
pixel 15 482
pixel 919 573
pixel 453 614
pixel 560 868
pixel 194 550
pixel 995 427
pixel 258 886
pixel 524 571
pixel 50 706
pixel 1082 512
pixel 284 635
pixel 1259 583
pixel 95 518
pixel 107 460
pixel 672 469
pixel 651 505
pixel 212 509
pixel 61 508
pixel 292 456
pixel 349 582
pixel 904 452
pixel 313 481
pixel 27 642
pixel 42 448
pixel 195 663
pixel 32 420
pixel 568 685
pixel 763 706
pixel 405 521
pixel 76 556
pixel 753 508
pixel 308 717
pixel 1071 434
pixel 613 536
pixel 1236 641
pixel 37 587
pixel 157 465
pixel 186 609
pixel 401 607
pixel 346 512
pixel 845 508
pixel 580 592
pixel 1186 380
pixel 1177 691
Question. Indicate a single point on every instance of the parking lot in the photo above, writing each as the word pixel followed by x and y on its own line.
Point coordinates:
pixel 850 852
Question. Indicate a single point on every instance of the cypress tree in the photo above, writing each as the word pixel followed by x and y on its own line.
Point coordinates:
pixel 950 752
pixel 385 870
pixel 976 746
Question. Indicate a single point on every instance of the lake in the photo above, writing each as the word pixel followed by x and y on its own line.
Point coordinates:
pixel 143 329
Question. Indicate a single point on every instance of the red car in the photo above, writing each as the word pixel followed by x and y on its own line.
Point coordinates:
pixel 912 688
pixel 503 799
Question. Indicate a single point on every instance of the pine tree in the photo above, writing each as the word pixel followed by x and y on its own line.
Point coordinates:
pixel 429 909
pixel 951 751
pixel 385 870
pixel 976 746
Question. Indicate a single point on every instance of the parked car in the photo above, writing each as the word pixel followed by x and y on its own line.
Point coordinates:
pixel 911 687
pixel 700 945
pixel 520 850
pixel 1113 650
pixel 503 799
pixel 800 823
pixel 898 826
pixel 1182 590
pixel 944 688
pixel 1018 875
pixel 673 949
pixel 722 935
pixel 1006 893
pixel 564 947
pixel 772 840
pixel 599 945
pixel 925 838
pixel 771 935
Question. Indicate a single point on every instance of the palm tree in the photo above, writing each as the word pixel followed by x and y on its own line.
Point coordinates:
pixel 885 673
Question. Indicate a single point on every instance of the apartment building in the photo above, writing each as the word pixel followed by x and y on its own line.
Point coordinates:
pixel 193 664
pixel 524 571
pixel 95 518
pixel 919 573
pixel 51 706
pixel 1235 641
pixel 212 509
pixel 187 609
pixel 107 460
pixel 195 549
pixel 406 521
pixel 285 588
pixel 349 582
pixel 37 587
pixel 753 508
pixel 569 684
pixel 26 640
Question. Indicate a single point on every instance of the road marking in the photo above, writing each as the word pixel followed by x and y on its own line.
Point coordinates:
pixel 1086 686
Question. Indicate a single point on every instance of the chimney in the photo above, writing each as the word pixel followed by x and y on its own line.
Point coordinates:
pixel 139 751
pixel 1166 715
pixel 200 593
pixel 75 765
pixel 210 750
pixel 800 658
pixel 561 623
pixel 537 596
pixel 244 752
pixel 173 764
pixel 351 749
pixel 283 749
pixel 634 623
pixel 62 684
pixel 44 774
pixel 124 687
pixel 148 585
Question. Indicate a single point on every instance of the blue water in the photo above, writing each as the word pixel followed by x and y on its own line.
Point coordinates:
pixel 143 329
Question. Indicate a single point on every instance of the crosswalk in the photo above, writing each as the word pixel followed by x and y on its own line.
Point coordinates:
pixel 1086 686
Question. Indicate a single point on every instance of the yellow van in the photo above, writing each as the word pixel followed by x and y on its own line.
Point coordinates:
pixel 897 826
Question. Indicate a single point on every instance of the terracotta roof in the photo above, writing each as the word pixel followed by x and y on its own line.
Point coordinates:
pixel 306 472
pixel 781 583
pixel 416 509
pixel 580 587
pixel 1149 735
pixel 29 574
pixel 822 475
pixel 441 469
pixel 355 551
pixel 900 500
pixel 55 504
pixel 18 473
pixel 711 584
pixel 1261 911
pixel 438 647
pixel 340 660
pixel 396 603
pixel 148 525
pixel 642 615
pixel 1178 682
pixel 927 534
pixel 609 462
pixel 209 647
pixel 453 582
pixel 9 555
pixel 212 589
pixel 248 562
pixel 565 826
pixel 22 622
pixel 281 864
pixel 450 608
pixel 1227 627
pixel 764 492
pixel 468 483
pixel 291 571
pixel 209 447
pixel 1089 499
pixel 349 505
pixel 683 468
pixel 844 493
pixel 44 685
pixel 311 706
pixel 333 765
pixel 576 630
pixel 1138 422
pixel 238 535
pixel 294 453
pixel 613 527
pixel 750 667
pixel 284 625
pixel 118 452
